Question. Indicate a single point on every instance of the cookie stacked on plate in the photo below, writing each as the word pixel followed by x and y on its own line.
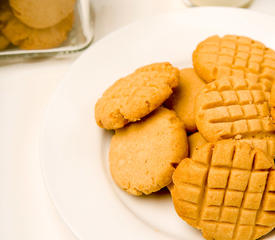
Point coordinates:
pixel 32 24
pixel 224 185
pixel 149 140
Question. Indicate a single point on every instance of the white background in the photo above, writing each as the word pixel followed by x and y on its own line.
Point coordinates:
pixel 26 212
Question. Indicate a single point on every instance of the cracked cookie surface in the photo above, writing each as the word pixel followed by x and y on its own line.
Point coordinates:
pixel 136 95
pixel 143 155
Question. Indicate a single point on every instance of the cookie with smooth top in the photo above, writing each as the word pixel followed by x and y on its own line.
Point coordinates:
pixel 132 97
pixel 195 141
pixel 143 155
pixel 28 38
pixel 182 101
pixel 226 190
pixel 42 14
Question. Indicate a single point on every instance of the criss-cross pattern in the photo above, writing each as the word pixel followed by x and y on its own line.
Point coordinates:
pixel 231 106
pixel 233 55
pixel 227 190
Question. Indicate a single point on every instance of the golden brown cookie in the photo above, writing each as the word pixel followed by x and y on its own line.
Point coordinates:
pixel 5 13
pixel 233 107
pixel 272 101
pixel 27 38
pixel 227 191
pixel 134 96
pixel 4 42
pixel 233 55
pixel 42 13
pixel 182 101
pixel 143 155
pixel 195 141
pixel 264 142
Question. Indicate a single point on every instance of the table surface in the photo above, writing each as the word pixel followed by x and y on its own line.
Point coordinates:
pixel 26 210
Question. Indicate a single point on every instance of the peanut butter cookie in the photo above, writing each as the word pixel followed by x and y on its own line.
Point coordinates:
pixel 143 155
pixel 227 191
pixel 131 98
pixel 233 107
pixel 182 101
pixel 195 141
pixel 232 55
pixel 28 38
pixel 42 13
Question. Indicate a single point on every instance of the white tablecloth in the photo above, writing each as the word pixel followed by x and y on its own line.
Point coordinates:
pixel 26 212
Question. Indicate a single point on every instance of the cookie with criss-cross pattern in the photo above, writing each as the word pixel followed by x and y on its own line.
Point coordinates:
pixel 232 55
pixel 131 98
pixel 143 155
pixel 233 107
pixel 264 142
pixel 226 190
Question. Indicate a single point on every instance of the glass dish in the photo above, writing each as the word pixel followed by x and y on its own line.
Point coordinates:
pixel 79 38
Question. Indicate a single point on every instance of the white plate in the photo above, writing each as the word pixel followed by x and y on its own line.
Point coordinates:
pixel 74 150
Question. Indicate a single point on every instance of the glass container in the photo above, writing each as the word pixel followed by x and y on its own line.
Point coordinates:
pixel 79 38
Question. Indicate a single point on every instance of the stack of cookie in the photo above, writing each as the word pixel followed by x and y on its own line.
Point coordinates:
pixel 32 24
pixel 226 186
pixel 144 153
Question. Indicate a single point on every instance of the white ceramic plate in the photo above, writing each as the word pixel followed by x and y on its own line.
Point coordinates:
pixel 74 150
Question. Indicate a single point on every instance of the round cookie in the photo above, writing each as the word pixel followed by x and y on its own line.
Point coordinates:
pixel 233 107
pixel 195 141
pixel 226 190
pixel 143 155
pixel 136 95
pixel 232 55
pixel 4 42
pixel 182 101
pixel 42 13
pixel 27 38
